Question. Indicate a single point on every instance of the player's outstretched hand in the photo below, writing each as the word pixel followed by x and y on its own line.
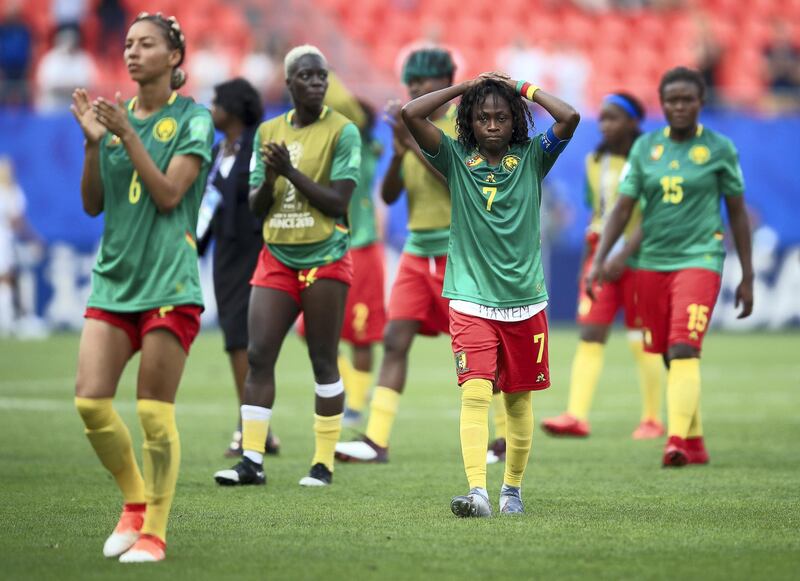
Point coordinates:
pixel 744 296
pixel 277 158
pixel 81 108
pixel 113 116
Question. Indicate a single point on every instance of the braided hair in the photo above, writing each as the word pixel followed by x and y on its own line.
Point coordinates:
pixel 521 116
pixel 175 40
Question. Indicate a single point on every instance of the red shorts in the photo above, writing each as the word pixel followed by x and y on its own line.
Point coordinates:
pixel 183 321
pixel 609 297
pixel 365 314
pixel 417 293
pixel 272 273
pixel 513 355
pixel 676 306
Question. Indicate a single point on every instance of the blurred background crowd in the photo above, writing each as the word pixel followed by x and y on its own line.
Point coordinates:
pixel 749 52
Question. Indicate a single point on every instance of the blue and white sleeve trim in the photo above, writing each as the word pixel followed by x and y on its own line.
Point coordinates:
pixel 552 144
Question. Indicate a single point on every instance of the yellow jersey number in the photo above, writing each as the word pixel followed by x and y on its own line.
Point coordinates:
pixel 135 189
pixel 490 193
pixel 673 189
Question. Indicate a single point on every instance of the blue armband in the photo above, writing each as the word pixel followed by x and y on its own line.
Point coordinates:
pixel 551 143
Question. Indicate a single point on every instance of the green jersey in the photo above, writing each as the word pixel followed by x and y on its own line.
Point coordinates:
pixel 298 233
pixel 428 200
pixel 679 186
pixel 362 209
pixel 148 259
pixel 494 255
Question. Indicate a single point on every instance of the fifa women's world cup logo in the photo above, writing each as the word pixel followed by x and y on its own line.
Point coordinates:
pixel 290 201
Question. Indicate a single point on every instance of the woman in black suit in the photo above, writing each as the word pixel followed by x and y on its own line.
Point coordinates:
pixel 236 110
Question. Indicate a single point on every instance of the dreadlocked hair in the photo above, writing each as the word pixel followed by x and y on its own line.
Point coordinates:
pixel 521 116
pixel 175 39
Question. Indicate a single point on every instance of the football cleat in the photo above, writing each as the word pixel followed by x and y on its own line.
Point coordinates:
pixel 474 504
pixel 363 450
pixel 497 451
pixel 127 531
pixel 319 475
pixel 148 549
pixel 696 451
pixel 648 430
pixel 566 425
pixel 675 453
pixel 511 500
pixel 245 472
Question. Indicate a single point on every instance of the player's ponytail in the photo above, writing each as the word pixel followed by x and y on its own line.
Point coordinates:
pixel 175 39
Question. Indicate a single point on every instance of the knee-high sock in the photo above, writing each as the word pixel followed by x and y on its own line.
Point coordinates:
pixel 683 395
pixel 476 395
pixel 651 367
pixel 161 459
pixel 326 433
pixel 255 427
pixel 499 415
pixel 112 443
pixel 586 367
pixel 382 412
pixel 356 384
pixel 520 434
pixel 696 427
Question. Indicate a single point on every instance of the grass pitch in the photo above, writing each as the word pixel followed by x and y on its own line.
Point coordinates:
pixel 598 508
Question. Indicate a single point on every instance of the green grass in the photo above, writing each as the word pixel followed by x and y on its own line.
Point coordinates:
pixel 599 508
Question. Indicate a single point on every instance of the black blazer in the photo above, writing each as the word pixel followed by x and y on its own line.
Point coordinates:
pixel 233 219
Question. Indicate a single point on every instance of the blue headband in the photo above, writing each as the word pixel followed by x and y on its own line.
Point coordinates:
pixel 624 104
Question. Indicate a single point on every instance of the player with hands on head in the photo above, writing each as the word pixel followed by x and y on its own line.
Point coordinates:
pixel 679 175
pixel 494 278
pixel 304 170
pixel 145 167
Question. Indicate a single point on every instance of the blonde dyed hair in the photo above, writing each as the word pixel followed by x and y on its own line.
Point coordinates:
pixel 298 52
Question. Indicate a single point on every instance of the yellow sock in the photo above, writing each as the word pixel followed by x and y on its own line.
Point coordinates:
pixel 382 412
pixel 112 443
pixel 499 415
pixel 696 427
pixel 586 367
pixel 161 459
pixel 255 426
pixel 356 389
pixel 683 395
pixel 326 434
pixel 520 434
pixel 651 367
pixel 476 395
pixel 345 371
